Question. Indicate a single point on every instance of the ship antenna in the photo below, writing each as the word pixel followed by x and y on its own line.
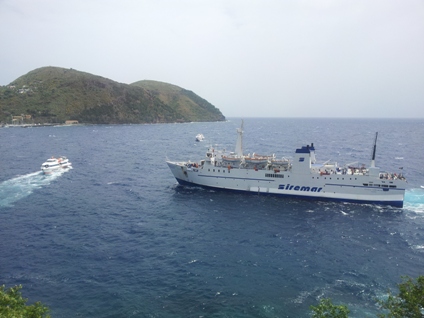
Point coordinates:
pixel 373 151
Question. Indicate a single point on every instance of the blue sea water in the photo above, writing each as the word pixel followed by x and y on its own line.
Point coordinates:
pixel 117 237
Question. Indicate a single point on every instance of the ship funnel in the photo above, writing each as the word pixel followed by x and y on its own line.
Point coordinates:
pixel 239 144
pixel 312 153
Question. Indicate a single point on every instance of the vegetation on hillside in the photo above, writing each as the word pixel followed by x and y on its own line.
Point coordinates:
pixel 326 309
pixel 13 305
pixel 182 100
pixel 409 303
pixel 52 94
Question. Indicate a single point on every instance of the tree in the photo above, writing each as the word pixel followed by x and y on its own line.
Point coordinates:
pixel 409 303
pixel 12 305
pixel 326 309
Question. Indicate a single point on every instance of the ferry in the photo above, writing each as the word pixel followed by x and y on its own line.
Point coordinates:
pixel 53 164
pixel 300 177
pixel 200 137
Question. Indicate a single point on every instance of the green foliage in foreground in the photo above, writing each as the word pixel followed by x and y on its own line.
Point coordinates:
pixel 409 303
pixel 326 309
pixel 12 305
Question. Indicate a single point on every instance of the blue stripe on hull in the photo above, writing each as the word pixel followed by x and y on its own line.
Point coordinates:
pixel 397 204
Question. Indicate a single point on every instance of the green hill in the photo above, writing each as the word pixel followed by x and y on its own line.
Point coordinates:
pixel 180 99
pixel 52 94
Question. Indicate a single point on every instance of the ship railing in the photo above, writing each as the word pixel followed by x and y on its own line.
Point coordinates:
pixel 392 176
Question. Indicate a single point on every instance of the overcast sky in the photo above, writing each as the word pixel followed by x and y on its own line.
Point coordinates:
pixel 269 58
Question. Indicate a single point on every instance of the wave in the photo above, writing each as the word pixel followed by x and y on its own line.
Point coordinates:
pixel 414 200
pixel 17 188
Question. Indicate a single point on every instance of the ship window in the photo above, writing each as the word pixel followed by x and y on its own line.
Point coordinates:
pixel 209 169
pixel 392 186
pixel 365 184
pixel 385 185
pixel 219 170
pixel 213 170
pixel 272 175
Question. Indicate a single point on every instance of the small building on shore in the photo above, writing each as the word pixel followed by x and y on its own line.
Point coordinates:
pixel 71 122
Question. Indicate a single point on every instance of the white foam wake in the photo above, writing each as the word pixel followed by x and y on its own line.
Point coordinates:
pixel 20 187
pixel 414 200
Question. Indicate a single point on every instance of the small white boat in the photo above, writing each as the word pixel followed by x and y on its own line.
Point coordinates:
pixel 200 137
pixel 53 164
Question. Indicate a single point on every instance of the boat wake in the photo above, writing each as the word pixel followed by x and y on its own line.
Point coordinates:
pixel 17 188
pixel 414 200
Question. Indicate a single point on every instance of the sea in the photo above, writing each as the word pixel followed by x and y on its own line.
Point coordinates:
pixel 116 236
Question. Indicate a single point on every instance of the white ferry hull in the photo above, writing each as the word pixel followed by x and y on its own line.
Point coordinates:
pixel 53 169
pixel 300 176
pixel 338 187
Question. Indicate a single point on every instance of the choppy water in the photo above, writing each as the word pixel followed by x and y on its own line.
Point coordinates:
pixel 116 237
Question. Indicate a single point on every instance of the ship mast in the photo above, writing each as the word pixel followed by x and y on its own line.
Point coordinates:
pixel 373 151
pixel 239 143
